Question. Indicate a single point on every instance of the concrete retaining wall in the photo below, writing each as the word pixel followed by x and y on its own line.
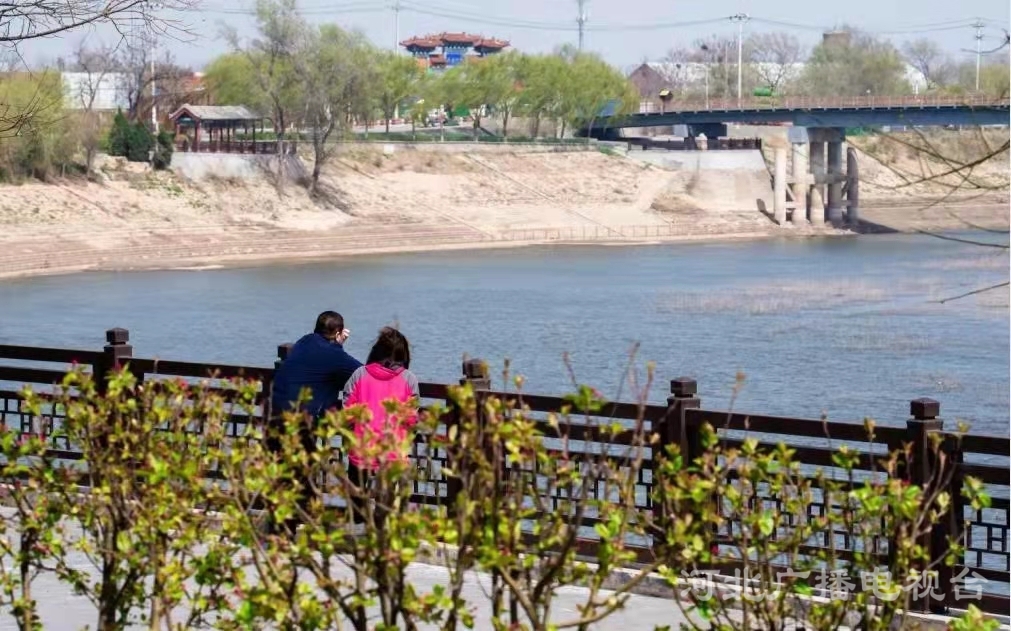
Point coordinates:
pixel 719 180
pixel 200 166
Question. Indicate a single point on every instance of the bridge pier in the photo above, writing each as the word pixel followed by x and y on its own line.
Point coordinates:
pixel 800 183
pixel 852 188
pixel 835 182
pixel 817 156
pixel 822 184
pixel 779 187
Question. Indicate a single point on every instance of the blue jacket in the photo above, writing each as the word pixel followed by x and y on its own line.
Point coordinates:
pixel 316 363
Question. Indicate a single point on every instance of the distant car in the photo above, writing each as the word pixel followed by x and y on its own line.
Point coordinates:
pixel 434 117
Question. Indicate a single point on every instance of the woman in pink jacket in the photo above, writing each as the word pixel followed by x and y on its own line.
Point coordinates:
pixel 384 377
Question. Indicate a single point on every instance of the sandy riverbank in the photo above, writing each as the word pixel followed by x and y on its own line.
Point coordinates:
pixel 407 200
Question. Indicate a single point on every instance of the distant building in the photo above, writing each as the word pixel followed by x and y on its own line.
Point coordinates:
pixel 840 38
pixel 109 95
pixel 445 50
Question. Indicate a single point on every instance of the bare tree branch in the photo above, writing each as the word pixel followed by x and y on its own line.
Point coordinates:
pixel 774 58
pixel 24 20
pixel 945 237
pixel 974 292
pixel 94 64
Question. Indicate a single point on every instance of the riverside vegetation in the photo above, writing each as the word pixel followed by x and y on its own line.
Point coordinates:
pixel 169 505
pixel 315 82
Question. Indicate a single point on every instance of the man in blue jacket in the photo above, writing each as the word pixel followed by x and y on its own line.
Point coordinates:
pixel 319 362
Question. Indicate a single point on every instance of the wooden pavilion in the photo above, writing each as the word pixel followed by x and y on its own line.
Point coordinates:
pixel 221 124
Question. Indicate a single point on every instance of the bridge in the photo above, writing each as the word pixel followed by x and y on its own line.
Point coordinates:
pixel 823 171
pixel 836 112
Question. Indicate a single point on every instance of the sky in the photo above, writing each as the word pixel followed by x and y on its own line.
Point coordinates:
pixel 624 32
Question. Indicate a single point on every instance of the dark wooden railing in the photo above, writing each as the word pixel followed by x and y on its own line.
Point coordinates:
pixel 185 145
pixel 983 532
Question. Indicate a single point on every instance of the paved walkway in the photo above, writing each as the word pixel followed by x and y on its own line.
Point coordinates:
pixel 62 611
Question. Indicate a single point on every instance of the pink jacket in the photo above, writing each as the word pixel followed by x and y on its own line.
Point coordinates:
pixel 372 385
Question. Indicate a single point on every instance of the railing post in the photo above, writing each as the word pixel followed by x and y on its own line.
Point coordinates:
pixel 116 350
pixel 922 470
pixel 268 388
pixel 475 373
pixel 683 396
pixel 671 430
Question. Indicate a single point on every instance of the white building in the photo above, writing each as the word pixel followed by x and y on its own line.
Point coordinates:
pixel 108 91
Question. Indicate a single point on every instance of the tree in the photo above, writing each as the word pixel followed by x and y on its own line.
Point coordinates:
pixel 280 30
pixel 593 85
pixel 931 62
pixel 476 84
pixel 774 58
pixel 542 77
pixel 145 87
pixel 399 79
pixel 164 147
pixel 118 135
pixel 44 140
pixel 676 70
pixel 332 66
pixel 37 19
pixel 993 77
pixel 506 94
pixel 856 65
pixel 715 51
pixel 139 143
pixel 95 65
pixel 231 80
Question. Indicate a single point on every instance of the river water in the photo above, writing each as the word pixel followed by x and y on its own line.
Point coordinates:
pixel 847 327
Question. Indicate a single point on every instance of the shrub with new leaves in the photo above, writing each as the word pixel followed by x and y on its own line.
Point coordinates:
pixel 161 504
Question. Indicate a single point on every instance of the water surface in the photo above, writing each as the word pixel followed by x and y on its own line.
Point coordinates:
pixel 846 327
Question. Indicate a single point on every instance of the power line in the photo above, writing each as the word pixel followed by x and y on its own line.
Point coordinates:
pixel 582 25
pixel 489 20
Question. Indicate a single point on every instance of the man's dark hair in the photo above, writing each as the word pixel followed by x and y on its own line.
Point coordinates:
pixel 329 324
pixel 391 349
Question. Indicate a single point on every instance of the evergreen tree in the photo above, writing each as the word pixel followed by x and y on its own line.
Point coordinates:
pixel 119 135
pixel 139 143
pixel 163 149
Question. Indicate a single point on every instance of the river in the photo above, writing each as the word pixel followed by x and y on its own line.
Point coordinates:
pixel 848 327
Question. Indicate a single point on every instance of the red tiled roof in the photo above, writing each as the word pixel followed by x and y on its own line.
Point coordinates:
pixel 459 38
pixel 421 42
pixel 491 43
pixel 436 40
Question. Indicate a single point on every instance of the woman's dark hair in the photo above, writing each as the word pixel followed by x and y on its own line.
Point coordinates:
pixel 391 349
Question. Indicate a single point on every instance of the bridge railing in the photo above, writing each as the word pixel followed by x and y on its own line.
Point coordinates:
pixel 869 101
pixel 985 458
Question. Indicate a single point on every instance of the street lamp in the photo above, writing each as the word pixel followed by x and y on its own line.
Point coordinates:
pixel 740 18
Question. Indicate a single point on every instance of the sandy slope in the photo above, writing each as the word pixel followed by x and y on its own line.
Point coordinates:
pixel 423 198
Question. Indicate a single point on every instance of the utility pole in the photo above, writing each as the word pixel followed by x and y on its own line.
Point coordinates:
pixel 740 18
pixel 979 42
pixel 396 26
pixel 154 91
pixel 581 21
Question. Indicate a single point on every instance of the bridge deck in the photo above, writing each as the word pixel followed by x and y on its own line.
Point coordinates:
pixel 820 112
